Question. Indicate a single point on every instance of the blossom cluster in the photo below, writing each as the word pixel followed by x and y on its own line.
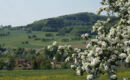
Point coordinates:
pixel 110 47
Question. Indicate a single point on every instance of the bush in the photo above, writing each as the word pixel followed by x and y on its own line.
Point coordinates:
pixel 65 65
pixel 29 31
pixel 60 34
pixel 49 35
pixel 45 64
pixel 65 40
pixel 34 36
pixel 76 38
pixel 26 42
pixel 46 39
pixel 2 64
pixel 29 37
pixel 37 39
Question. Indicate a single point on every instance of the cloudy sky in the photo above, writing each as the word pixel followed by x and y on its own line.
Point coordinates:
pixel 22 12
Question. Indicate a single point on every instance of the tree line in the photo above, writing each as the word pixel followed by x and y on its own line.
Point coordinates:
pixel 21 58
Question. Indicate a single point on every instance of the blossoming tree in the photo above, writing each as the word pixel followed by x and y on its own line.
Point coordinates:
pixel 110 47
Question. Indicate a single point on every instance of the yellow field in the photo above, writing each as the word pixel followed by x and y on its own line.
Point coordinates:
pixel 52 75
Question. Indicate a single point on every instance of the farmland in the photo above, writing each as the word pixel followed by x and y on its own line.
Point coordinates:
pixel 60 74
pixel 16 38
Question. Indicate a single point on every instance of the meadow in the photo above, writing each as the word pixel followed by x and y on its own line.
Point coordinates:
pixel 60 74
pixel 16 37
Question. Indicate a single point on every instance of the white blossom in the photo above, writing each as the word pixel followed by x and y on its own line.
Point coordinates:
pixel 77 49
pixel 49 46
pixel 90 53
pixel 69 46
pixel 88 45
pixel 54 58
pixel 104 44
pixel 78 71
pixel 72 66
pixel 67 59
pixel 128 59
pixel 112 31
pixel 125 78
pixel 82 57
pixel 84 36
pixel 95 61
pixel 73 55
pixel 54 43
pixel 106 68
pixel 99 50
pixel 61 47
pixel 113 57
pixel 75 61
pixel 122 55
pixel 113 77
pixel 89 77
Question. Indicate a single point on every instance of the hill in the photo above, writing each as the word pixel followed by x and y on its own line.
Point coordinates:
pixel 74 23
pixel 64 29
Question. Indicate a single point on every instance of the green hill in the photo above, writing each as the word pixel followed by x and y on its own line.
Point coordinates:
pixel 64 29
pixel 80 22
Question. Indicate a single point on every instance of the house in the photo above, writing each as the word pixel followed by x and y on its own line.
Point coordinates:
pixel 22 64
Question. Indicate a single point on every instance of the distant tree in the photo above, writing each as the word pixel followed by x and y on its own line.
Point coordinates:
pixel 11 62
pixel 65 65
pixel 58 57
pixel 48 34
pixel 65 30
pixel 8 33
pixel 65 40
pixel 60 34
pixel 37 39
pixel 29 31
pixel 34 64
pixel 26 42
pixel 22 42
pixel 45 64
pixel 2 64
pixel 29 37
pixel 34 36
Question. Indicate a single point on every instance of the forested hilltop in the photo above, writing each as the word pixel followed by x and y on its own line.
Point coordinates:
pixel 67 23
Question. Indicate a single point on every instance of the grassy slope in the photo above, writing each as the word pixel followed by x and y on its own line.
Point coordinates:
pixel 16 38
pixel 52 75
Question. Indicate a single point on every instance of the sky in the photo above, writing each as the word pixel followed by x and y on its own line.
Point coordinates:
pixel 23 12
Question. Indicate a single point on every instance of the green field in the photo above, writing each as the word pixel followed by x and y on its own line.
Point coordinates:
pixel 61 74
pixel 16 37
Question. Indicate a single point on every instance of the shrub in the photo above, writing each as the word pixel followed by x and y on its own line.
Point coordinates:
pixel 48 34
pixel 65 65
pixel 65 40
pixel 29 37
pixel 34 36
